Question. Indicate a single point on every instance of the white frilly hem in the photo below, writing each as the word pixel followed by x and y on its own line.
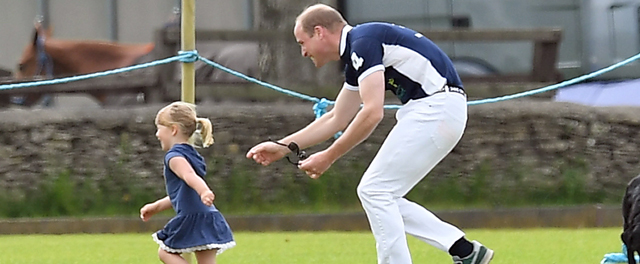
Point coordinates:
pixel 220 247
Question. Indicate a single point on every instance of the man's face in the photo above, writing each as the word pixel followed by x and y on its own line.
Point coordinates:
pixel 312 46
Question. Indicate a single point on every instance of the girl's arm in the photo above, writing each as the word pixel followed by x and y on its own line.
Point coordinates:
pixel 183 169
pixel 163 204
pixel 150 209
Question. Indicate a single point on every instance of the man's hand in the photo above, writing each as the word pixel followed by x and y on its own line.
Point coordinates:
pixel 267 152
pixel 316 164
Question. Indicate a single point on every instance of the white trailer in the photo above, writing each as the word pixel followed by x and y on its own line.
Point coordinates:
pixel 596 33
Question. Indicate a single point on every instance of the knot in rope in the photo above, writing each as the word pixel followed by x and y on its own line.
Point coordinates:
pixel 320 107
pixel 188 56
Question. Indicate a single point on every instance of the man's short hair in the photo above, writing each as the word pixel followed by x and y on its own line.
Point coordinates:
pixel 320 15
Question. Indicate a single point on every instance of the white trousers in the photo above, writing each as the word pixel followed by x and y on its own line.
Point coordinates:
pixel 427 130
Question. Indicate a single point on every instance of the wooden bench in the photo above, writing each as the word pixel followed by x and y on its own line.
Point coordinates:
pixel 545 50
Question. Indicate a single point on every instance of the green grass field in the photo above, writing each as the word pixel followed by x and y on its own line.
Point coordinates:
pixel 522 246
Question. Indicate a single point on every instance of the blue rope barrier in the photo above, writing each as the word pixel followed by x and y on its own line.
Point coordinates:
pixel 559 85
pixel 93 75
pixel 321 108
pixel 268 85
pixel 321 104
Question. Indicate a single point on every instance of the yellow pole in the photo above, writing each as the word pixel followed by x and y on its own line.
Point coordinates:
pixel 188 43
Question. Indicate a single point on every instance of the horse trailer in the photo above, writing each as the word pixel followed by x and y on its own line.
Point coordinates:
pixel 596 33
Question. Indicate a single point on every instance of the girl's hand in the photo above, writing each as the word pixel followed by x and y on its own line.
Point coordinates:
pixel 147 211
pixel 207 197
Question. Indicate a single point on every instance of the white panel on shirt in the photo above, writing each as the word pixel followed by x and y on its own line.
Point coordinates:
pixel 414 66
pixel 369 71
pixel 350 87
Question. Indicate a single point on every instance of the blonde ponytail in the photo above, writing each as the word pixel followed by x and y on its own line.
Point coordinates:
pixel 205 132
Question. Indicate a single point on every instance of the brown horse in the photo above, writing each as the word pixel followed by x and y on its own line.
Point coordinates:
pixel 50 57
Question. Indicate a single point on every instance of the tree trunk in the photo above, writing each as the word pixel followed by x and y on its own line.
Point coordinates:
pixel 280 61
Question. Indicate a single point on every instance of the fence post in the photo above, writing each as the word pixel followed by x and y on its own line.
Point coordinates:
pixel 545 55
pixel 188 43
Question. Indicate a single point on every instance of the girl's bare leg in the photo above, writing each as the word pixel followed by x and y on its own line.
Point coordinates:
pixel 170 258
pixel 206 256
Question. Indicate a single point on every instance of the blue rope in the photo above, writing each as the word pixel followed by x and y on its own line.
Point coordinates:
pixel 559 85
pixel 321 108
pixel 189 56
pixel 94 75
pixel 321 104
pixel 268 85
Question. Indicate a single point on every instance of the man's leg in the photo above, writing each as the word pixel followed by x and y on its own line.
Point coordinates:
pixel 424 225
pixel 427 227
pixel 425 133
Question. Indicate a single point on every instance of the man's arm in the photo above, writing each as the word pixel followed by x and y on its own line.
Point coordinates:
pixel 346 106
pixel 372 112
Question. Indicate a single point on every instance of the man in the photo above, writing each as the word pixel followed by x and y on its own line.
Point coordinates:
pixel 379 57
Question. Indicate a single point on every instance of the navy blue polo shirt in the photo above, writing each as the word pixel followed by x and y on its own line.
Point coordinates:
pixel 414 67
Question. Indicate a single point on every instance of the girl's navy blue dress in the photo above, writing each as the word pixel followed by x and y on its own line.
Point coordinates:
pixel 196 226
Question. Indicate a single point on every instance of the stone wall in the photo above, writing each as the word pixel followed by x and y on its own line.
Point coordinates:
pixel 530 144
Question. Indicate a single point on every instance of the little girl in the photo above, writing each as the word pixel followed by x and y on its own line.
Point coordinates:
pixel 198 226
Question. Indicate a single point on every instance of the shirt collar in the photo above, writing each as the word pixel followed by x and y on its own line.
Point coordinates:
pixel 343 38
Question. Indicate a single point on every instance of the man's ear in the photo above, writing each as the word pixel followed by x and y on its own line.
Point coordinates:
pixel 319 30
